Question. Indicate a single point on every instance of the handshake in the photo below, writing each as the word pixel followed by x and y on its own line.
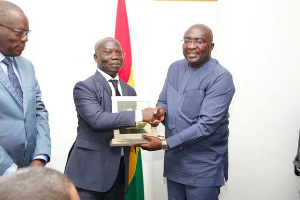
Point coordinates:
pixel 153 115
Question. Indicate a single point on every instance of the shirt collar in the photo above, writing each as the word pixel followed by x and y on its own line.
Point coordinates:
pixel 3 56
pixel 108 77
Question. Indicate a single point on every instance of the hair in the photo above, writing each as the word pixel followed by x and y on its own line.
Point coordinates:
pixel 38 183
pixel 102 40
pixel 5 8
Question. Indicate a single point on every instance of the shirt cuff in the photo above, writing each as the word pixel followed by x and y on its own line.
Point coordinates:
pixel 41 156
pixel 12 168
pixel 138 116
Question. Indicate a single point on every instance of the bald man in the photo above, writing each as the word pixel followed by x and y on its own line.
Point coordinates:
pixel 24 129
pixel 99 171
pixel 195 100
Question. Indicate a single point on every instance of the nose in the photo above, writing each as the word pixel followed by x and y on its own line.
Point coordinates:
pixel 114 56
pixel 24 38
pixel 192 45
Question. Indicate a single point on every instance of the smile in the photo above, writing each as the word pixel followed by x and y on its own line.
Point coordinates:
pixel 192 54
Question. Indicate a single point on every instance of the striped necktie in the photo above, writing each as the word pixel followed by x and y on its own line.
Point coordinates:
pixel 13 78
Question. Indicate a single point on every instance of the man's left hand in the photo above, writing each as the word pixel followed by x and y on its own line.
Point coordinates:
pixel 154 143
pixel 37 162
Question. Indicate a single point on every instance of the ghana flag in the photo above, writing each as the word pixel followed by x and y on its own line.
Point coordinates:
pixel 135 190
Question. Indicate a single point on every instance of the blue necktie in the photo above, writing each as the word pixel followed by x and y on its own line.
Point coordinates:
pixel 13 78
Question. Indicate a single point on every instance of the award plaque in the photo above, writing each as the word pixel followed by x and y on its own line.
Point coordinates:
pixel 131 135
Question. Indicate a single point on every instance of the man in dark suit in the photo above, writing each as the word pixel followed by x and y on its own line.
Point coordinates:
pixel 98 170
pixel 24 129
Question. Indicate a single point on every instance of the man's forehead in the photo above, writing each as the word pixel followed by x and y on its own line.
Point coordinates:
pixel 109 44
pixel 198 32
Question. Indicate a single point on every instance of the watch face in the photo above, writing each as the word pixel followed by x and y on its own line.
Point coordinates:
pixel 164 145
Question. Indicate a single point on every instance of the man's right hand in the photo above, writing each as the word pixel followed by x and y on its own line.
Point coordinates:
pixel 153 115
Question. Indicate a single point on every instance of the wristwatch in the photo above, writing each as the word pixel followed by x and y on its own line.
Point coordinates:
pixel 164 144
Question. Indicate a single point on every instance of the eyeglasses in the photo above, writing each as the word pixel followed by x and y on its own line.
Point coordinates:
pixel 19 33
pixel 112 54
pixel 197 42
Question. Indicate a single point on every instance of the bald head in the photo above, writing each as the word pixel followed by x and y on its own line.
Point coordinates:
pixel 103 41
pixel 6 8
pixel 14 29
pixel 197 45
pixel 109 56
pixel 205 29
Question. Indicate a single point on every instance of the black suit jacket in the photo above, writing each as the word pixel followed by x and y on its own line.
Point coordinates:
pixel 93 164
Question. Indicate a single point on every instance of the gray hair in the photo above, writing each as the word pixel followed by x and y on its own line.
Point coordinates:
pixel 102 40
pixel 5 8
pixel 38 183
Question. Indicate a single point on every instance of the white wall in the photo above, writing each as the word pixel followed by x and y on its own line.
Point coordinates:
pixel 256 40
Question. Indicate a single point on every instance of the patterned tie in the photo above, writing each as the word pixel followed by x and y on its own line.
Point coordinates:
pixel 115 84
pixel 13 78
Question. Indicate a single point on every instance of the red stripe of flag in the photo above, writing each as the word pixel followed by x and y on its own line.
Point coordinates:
pixel 122 35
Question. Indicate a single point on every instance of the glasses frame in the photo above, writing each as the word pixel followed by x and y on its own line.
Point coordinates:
pixel 19 32
pixel 197 42
pixel 112 54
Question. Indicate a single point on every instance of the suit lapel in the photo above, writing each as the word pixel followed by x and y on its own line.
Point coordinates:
pixel 102 81
pixel 124 88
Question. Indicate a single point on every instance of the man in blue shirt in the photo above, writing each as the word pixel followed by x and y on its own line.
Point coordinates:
pixel 24 128
pixel 195 101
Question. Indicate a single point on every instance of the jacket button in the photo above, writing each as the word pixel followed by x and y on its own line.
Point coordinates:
pixel 22 145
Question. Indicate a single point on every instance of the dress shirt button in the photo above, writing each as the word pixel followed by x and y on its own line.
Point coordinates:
pixel 22 145
pixel 25 120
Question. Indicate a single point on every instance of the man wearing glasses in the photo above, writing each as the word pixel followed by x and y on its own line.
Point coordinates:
pixel 24 129
pixel 98 171
pixel 195 100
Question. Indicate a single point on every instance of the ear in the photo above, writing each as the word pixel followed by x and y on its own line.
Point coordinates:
pixel 95 57
pixel 212 45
